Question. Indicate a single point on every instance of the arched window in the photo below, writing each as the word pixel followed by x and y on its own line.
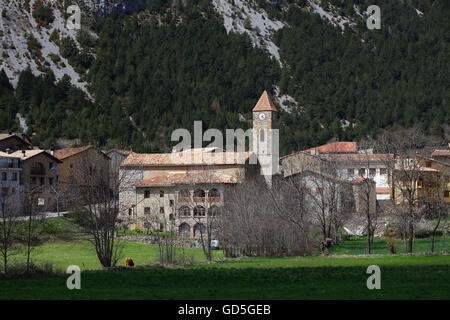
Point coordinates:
pixel 213 195
pixel 261 135
pixel 199 211
pixel 199 195
pixel 184 195
pixel 199 230
pixel 185 230
pixel 212 212
pixel 184 211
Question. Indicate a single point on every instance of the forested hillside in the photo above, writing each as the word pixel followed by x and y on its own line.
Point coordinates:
pixel 164 67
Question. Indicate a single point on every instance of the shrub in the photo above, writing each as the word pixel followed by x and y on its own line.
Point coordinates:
pixel 43 13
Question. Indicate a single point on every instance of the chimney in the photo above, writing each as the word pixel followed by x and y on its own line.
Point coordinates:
pixel 10 133
pixel 23 153
pixel 52 151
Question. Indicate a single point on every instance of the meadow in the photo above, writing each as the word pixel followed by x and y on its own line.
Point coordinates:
pixel 342 275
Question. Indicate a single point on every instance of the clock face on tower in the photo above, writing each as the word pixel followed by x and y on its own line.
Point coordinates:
pixel 262 116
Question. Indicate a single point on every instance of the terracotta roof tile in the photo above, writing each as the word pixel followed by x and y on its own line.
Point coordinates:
pixel 335 147
pixel 381 190
pixel 358 157
pixel 441 153
pixel 188 157
pixel 265 103
pixel 31 153
pixel 64 153
pixel 185 178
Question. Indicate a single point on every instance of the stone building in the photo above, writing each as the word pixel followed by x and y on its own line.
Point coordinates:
pixel 82 168
pixel 39 176
pixel 189 185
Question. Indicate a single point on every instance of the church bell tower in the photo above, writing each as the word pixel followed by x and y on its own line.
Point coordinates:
pixel 265 135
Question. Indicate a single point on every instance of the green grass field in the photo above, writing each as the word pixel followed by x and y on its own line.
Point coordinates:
pixel 415 277
pixel 341 275
pixel 358 245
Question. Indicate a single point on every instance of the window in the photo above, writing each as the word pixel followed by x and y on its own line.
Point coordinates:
pixel 446 194
pixel 161 209
pixel 171 218
pixel 382 171
pixel 446 179
pixel 362 172
pixel 41 181
pixel 4 192
pixel 420 183
pixel 372 171
pixel 10 163
pixel 147 194
pixel 50 165
pixel 428 164
pixel 50 181
pixel 71 166
pixel 161 193
pixel 4 176
pixel 90 171
pixel 213 195
pixel 199 195
pixel 14 176
pixel 171 203
pixel 184 195
pixel 261 135
pixel 350 171
pixel 212 212
pixel 199 211
pixel 33 180
pixel 130 211
pixel 147 210
pixel 184 211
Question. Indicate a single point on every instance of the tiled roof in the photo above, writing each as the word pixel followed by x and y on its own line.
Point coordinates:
pixel 62 154
pixel 185 178
pixel 31 153
pixel 441 153
pixel 335 147
pixel 7 155
pixel 359 157
pixel 18 136
pixel 188 157
pixel 382 190
pixel 265 103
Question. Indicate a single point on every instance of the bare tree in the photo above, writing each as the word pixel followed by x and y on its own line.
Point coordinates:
pixel 408 173
pixel 33 225
pixel 97 208
pixel 9 213
pixel 433 203
pixel 250 224
pixel 163 229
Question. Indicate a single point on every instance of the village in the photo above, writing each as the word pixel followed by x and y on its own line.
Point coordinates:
pixel 339 178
